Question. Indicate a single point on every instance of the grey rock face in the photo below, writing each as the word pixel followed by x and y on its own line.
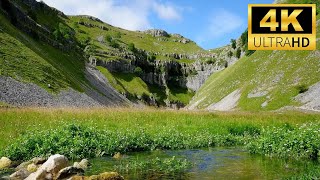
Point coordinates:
pixel 157 33
pixel 311 98
pixel 106 94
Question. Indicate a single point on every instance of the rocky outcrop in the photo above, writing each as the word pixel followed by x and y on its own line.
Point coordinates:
pixel 24 22
pixel 311 98
pixel 157 33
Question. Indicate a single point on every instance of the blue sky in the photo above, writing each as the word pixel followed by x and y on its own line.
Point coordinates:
pixel 210 23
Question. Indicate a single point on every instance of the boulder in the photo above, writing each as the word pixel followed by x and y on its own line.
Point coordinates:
pixel 50 168
pixel 83 164
pixel 157 33
pixel 117 156
pixel 32 168
pixel 68 172
pixel 20 174
pixel 36 161
pixel 5 163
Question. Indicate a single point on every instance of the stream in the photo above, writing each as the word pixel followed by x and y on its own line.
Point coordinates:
pixel 209 163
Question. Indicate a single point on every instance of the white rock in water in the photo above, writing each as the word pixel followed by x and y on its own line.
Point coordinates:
pixel 5 163
pixel 83 164
pixel 20 174
pixel 50 168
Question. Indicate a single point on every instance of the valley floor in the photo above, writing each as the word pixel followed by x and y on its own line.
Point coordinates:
pixel 87 133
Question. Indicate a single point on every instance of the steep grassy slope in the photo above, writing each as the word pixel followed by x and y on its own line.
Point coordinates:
pixel 29 60
pixel 106 43
pixel 41 45
pixel 268 80
pixel 91 29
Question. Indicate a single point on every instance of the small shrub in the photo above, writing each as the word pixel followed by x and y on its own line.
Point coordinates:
pixel 230 54
pixel 138 71
pixel 210 61
pixel 114 44
pixel 108 38
pixel 132 47
pixel 145 97
pixel 302 88
pixel 226 64
pixel 151 58
pixel 62 32
pixel 238 53
pixel 233 43
pixel 194 73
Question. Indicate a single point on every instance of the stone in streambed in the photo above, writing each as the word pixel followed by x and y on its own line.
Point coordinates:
pixel 83 164
pixel 68 172
pixel 50 168
pixel 20 174
pixel 5 163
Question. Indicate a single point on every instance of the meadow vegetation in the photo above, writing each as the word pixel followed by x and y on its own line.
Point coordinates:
pixel 26 133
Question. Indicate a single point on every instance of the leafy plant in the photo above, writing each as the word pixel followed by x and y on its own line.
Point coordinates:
pixel 167 166
pixel 138 71
pixel 238 53
pixel 132 47
pixel 233 43
pixel 114 44
pixel 108 38
pixel 302 88
pixel 300 142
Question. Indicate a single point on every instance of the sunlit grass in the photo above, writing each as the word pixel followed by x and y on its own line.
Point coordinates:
pixel 16 122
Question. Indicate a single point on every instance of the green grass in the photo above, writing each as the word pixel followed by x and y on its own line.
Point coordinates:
pixel 28 60
pixel 167 166
pixel 133 84
pixel 277 72
pixel 126 82
pixel 140 40
pixel 154 129
pixel 180 94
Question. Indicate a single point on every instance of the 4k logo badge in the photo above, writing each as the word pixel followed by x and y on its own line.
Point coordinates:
pixel 282 27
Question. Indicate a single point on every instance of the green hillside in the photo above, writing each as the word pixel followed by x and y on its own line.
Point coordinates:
pixel 41 45
pixel 89 29
pixel 29 60
pixel 268 80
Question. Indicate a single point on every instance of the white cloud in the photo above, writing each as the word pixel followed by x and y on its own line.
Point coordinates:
pixel 166 12
pixel 127 14
pixel 223 22
pixel 220 24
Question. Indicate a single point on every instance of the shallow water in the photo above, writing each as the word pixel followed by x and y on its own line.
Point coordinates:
pixel 212 163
